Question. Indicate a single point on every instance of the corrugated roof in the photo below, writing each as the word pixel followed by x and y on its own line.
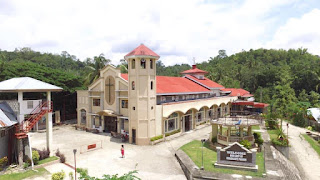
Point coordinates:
pixel 315 112
pixel 4 106
pixel 4 120
pixel 142 50
pixel 26 84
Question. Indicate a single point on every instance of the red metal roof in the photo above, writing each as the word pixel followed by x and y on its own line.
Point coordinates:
pixel 260 105
pixel 142 50
pixel 167 84
pixel 207 82
pixel 194 70
pixel 238 92
pixel 251 103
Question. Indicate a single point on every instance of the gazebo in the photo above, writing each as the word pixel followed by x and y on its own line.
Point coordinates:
pixel 233 129
pixel 36 109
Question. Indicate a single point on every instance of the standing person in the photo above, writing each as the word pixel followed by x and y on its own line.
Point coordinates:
pixel 122 151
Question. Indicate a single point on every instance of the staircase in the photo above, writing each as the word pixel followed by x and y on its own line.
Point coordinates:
pixel 23 128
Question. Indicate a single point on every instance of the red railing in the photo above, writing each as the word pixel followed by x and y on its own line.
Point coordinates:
pixel 36 114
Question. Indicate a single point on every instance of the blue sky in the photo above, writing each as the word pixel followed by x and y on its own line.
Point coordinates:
pixel 176 30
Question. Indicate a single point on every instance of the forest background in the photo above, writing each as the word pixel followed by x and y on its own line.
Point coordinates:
pixel 288 80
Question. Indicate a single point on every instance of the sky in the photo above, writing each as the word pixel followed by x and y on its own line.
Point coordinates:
pixel 177 30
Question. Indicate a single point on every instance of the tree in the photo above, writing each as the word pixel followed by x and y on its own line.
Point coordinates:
pixel 314 98
pixel 94 69
pixel 303 96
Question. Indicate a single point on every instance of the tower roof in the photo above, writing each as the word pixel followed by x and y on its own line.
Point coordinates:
pixel 194 70
pixel 142 50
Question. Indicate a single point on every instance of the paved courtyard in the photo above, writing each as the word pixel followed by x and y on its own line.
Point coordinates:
pixel 152 162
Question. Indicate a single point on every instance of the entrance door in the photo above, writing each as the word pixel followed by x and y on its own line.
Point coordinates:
pixel 133 136
pixel 187 123
pixel 110 124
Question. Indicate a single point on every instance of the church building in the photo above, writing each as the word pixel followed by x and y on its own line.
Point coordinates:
pixel 146 105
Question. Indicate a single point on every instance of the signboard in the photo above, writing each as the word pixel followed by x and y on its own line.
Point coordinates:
pixel 236 155
pixel 92 146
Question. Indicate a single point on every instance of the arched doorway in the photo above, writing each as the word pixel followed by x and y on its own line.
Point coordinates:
pixel 171 123
pixel 83 117
pixel 187 121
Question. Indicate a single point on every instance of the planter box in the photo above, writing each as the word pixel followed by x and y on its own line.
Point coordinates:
pixel 156 141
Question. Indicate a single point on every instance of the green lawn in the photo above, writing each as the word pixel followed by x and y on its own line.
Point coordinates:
pixel 27 174
pixel 193 150
pixel 273 133
pixel 49 159
pixel 314 144
pixel 256 127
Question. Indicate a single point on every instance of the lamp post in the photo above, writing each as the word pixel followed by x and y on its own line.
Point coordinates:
pixel 202 142
pixel 287 134
pixel 75 164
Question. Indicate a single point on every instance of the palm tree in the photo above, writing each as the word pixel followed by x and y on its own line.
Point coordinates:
pixel 94 68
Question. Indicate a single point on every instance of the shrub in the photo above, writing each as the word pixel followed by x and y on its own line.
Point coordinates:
pixel 319 142
pixel 3 162
pixel 58 153
pixel 279 142
pixel 246 144
pixel 62 158
pixel 26 165
pixel 156 138
pixel 58 175
pixel 35 157
pixel 214 139
pixel 257 138
pixel 71 175
pixel 172 132
pixel 309 128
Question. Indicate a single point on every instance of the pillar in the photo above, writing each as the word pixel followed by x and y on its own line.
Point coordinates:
pixel 214 130
pixel 49 124
pixel 249 131
pixel 229 131
pixel 20 100
pixel 20 152
pixel 220 129
pixel 241 131
pixel 193 124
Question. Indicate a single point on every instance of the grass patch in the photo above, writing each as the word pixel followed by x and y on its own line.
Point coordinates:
pixel 314 144
pixel 255 127
pixel 23 175
pixel 273 133
pixel 193 150
pixel 49 159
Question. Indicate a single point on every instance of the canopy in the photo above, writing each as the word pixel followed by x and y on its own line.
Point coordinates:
pixel 107 112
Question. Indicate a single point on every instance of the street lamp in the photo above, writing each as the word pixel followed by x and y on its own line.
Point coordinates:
pixel 75 164
pixel 202 141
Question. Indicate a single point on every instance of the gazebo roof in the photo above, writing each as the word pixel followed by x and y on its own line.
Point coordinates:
pixel 238 121
pixel 26 84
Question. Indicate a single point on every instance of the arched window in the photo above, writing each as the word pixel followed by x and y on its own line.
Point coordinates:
pixel 143 63
pixel 132 85
pixel 133 65
pixel 151 85
pixel 83 116
pixel 151 64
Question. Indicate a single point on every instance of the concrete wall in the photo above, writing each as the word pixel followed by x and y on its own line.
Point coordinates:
pixel 4 145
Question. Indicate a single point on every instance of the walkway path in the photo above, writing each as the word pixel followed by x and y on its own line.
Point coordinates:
pixel 302 154
pixel 152 162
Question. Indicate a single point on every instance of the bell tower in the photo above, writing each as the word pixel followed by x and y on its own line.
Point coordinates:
pixel 142 94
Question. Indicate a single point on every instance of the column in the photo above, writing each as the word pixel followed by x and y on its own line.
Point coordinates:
pixel 20 100
pixel 220 129
pixel 229 131
pixel 49 124
pixel 241 131
pixel 249 131
pixel 214 130
pixel 20 152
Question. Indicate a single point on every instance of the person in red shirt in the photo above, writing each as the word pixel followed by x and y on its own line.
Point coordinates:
pixel 122 151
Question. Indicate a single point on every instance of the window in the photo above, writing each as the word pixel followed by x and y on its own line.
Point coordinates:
pixel 171 125
pixel 96 102
pixel 134 108
pixel 30 104
pixel 177 98
pixel 143 63
pixel 151 64
pixel 124 103
pixel 151 84
pixel 132 85
pixel 163 99
pixel 133 65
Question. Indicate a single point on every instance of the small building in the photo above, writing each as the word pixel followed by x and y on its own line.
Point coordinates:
pixel 29 112
pixel 234 129
pixel 314 117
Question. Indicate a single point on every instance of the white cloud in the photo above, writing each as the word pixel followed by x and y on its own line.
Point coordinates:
pixel 303 32
pixel 176 30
